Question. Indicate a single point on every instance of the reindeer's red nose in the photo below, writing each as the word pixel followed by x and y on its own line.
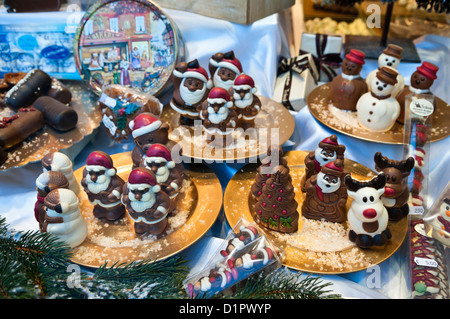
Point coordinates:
pixel 370 213
pixel 389 191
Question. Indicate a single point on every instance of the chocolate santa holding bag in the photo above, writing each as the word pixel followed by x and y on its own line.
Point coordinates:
pixel 378 110
pixel 159 160
pixel 45 183
pixel 327 151
pixel 103 186
pixel 245 103
pixel 63 218
pixel 147 129
pixel 147 205
pixel 347 87
pixel 218 117
pixel 390 57
pixel 191 87
pixel 224 68
pixel 421 81
pixel 60 162
pixel 326 194
pixel 276 208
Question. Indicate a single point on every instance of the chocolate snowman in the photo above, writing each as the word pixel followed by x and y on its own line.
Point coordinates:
pixel 326 194
pixel 421 81
pixel 378 110
pixel 192 86
pixel 390 57
pixel 347 87
pixel 327 151
pixel 442 223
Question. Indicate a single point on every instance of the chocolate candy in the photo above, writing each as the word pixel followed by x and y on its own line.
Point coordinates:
pixel 15 6
pixel 18 127
pixel 56 114
pixel 59 92
pixel 28 89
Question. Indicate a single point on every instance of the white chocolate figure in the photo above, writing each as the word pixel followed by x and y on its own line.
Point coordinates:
pixel 378 110
pixel 62 217
pixel 60 162
pixel 390 57
pixel 441 223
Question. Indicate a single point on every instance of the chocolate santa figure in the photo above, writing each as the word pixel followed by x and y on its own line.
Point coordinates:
pixel 273 159
pixel 147 205
pixel 378 110
pixel 60 162
pixel 276 208
pixel 246 235
pixel 421 81
pixel 396 194
pixel 147 129
pixel 159 160
pixel 191 89
pixel 390 57
pixel 63 218
pixel 103 186
pixel 224 68
pixel 45 183
pixel 327 151
pixel 326 194
pixel 245 102
pixel 349 86
pixel 218 116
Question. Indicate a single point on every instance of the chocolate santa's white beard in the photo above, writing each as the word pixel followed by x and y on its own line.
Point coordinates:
pixel 190 97
pixel 162 174
pixel 98 186
pixel 323 159
pixel 147 201
pixel 325 186
pixel 221 83
pixel 218 117
pixel 243 103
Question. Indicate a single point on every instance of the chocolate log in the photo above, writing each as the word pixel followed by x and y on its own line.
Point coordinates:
pixel 18 127
pixel 59 92
pixel 56 114
pixel 15 6
pixel 28 89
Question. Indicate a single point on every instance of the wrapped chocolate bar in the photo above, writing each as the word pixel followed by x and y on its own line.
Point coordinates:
pixel 326 50
pixel 429 279
pixel 245 253
pixel 437 219
pixel 297 77
pixel 418 125
pixel 120 105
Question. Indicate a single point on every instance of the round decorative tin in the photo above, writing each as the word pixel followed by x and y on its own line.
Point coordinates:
pixel 127 42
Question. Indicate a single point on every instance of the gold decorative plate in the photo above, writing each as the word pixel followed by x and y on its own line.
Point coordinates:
pixel 198 206
pixel 48 140
pixel 318 246
pixel 347 123
pixel 273 125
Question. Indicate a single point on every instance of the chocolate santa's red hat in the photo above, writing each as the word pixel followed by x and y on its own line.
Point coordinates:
pixel 335 168
pixel 98 161
pixel 219 95
pixel 329 142
pixel 142 177
pixel 244 82
pixel 428 69
pixel 144 123
pixel 335 165
pixel 229 62
pixel 194 70
pixel 159 153
pixel 356 56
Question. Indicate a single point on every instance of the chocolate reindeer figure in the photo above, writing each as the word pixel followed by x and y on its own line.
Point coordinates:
pixel 396 192
pixel 367 216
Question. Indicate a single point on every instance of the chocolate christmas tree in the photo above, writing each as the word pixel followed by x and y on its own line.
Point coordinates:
pixel 276 208
pixel 264 170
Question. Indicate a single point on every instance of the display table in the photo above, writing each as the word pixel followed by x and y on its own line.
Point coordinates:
pixel 259 47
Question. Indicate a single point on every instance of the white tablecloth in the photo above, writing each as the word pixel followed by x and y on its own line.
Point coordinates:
pixel 259 47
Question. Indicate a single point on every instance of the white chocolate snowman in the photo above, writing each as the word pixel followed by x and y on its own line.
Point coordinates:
pixel 441 229
pixel 390 57
pixel 378 110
